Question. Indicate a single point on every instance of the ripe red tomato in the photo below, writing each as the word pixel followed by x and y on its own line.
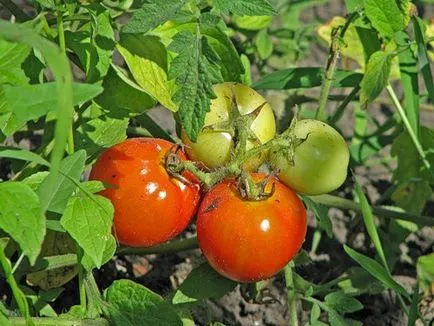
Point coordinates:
pixel 150 206
pixel 248 241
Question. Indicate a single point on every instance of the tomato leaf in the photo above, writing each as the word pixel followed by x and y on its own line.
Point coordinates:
pixel 264 44
pixel 246 7
pixel 12 55
pixel 376 76
pixel 152 14
pixel 24 155
pixel 425 270
pixel 202 283
pixel 22 218
pixel 132 304
pixel 385 16
pixel 88 219
pixel 190 69
pixel 121 93
pixel 54 196
pixel 376 270
pixel 342 302
pixel 146 58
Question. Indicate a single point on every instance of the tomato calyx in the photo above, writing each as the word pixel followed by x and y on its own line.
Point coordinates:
pixel 249 190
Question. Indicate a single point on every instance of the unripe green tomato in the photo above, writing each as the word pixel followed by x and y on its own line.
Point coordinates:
pixel 320 161
pixel 215 144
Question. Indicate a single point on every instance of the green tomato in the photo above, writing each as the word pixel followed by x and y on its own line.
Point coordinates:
pixel 320 162
pixel 215 143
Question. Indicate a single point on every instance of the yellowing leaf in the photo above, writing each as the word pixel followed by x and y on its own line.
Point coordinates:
pixel 353 47
pixel 429 34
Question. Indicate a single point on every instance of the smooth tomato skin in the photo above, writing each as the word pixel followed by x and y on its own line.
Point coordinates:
pixel 247 241
pixel 320 162
pixel 150 206
pixel 214 147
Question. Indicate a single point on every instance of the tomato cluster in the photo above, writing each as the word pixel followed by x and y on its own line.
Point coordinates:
pixel 249 225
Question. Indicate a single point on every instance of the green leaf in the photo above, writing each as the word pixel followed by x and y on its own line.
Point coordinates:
pixel 368 219
pixel 252 23
pixel 385 16
pixel 306 78
pixel 342 302
pixel 424 64
pixel 376 270
pixel 425 270
pixel 24 155
pixel 121 93
pixel 151 14
pixel 245 7
pixel 97 134
pixel 55 196
pixel 321 215
pixel 108 252
pixel 264 44
pixel 59 65
pixel 247 76
pixel 35 180
pixel 12 55
pixel 376 76
pixel 203 283
pixel 146 58
pixel 335 319
pixel 89 221
pixel 101 43
pixel 315 312
pixel 191 71
pixel 33 101
pixel 352 5
pixel 21 217
pixel 132 304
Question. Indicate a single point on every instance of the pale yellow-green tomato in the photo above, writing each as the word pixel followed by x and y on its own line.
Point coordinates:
pixel 320 162
pixel 214 147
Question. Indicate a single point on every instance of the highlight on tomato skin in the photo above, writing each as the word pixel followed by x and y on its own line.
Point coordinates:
pixel 150 206
pixel 248 241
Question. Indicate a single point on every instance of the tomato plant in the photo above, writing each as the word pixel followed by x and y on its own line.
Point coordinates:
pixel 235 104
pixel 320 162
pixel 150 206
pixel 248 241
pixel 106 88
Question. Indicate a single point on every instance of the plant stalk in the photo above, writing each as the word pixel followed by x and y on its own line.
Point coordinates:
pixel 292 300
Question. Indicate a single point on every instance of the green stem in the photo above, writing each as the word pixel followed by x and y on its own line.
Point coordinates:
pixel 334 52
pixel 340 110
pixel 410 130
pixel 20 15
pixel 81 287
pixel 173 246
pixel 18 294
pixel 315 241
pixel 290 288
pixel 342 203
pixel 17 264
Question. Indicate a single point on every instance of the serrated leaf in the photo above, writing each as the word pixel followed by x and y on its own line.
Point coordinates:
pixel 151 14
pixel 132 304
pixel 385 16
pixel 245 7
pixel 89 220
pixel 54 195
pixel 146 58
pixel 203 283
pixel 55 243
pixel 21 217
pixel 342 302
pixel 97 134
pixel 376 76
pixel 376 270
pixel 191 73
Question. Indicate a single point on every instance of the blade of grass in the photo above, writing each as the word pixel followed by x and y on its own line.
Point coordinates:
pixel 423 56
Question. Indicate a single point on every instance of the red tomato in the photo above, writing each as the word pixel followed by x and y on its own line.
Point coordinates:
pixel 150 206
pixel 248 241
